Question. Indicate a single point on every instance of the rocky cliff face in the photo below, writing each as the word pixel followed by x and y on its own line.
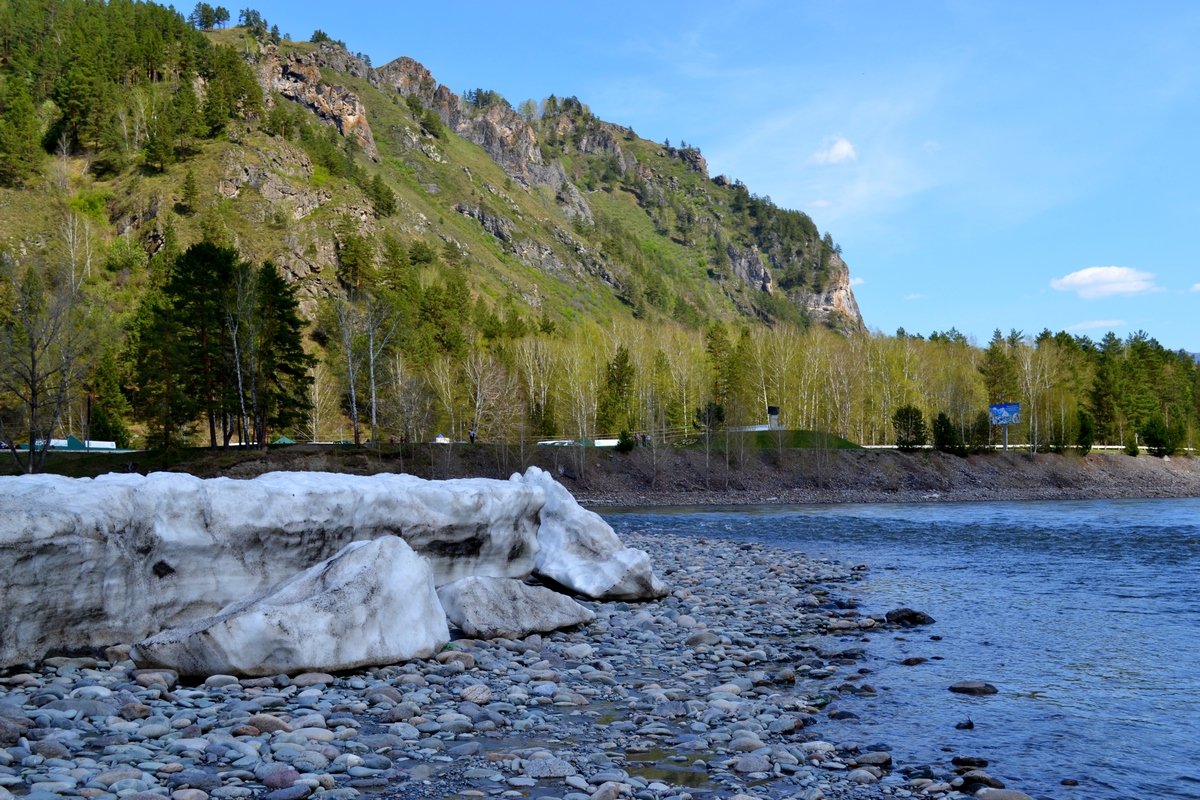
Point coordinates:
pixel 498 129
pixel 834 304
pixel 298 78
pixel 747 265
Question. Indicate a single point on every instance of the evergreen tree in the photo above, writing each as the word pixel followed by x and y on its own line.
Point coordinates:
pixel 1085 434
pixel 158 354
pixel 191 193
pixel 109 406
pixel 909 424
pixel 281 376
pixel 946 437
pixel 196 290
pixel 613 409
pixel 1000 370
pixel 382 196
pixel 1106 388
pixel 20 154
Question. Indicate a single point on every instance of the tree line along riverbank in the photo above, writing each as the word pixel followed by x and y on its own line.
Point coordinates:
pixel 673 476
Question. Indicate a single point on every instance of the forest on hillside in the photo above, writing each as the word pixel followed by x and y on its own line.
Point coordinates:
pixel 169 340
pixel 395 360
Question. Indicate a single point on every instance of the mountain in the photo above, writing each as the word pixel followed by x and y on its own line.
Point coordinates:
pixel 551 212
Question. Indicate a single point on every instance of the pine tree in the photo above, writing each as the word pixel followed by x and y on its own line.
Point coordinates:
pixel 196 289
pixel 382 196
pixel 946 437
pixel 20 154
pixel 191 193
pixel 909 424
pixel 282 374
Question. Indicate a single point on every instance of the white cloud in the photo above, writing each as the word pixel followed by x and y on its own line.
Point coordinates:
pixel 827 204
pixel 857 281
pixel 837 152
pixel 914 296
pixel 1096 282
pixel 1196 287
pixel 1097 324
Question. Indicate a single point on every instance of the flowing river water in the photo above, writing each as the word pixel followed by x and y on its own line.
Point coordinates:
pixel 1084 614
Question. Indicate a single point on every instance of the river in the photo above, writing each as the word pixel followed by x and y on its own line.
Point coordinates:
pixel 1084 614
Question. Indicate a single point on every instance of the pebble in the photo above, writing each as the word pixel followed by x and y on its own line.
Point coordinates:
pixel 725 687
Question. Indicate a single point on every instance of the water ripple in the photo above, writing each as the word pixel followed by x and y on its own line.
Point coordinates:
pixel 1084 613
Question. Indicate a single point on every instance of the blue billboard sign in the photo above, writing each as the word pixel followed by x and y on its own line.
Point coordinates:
pixel 1005 413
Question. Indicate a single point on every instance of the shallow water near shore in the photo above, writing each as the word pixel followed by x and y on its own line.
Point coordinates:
pixel 1084 614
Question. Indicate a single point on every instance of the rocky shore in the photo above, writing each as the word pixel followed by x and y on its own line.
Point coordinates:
pixel 732 685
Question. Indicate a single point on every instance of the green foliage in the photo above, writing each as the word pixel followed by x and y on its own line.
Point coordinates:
pixel 978 439
pixel 356 259
pixel 381 195
pixel 1085 432
pixel 329 150
pixel 222 339
pixel 204 16
pixel 109 405
pixel 625 442
pixel 1160 438
pixel 191 193
pixel 483 99
pixel 999 369
pixel 91 203
pixel 946 437
pixel 616 393
pixel 20 153
pixel 909 424
pixel 254 22
pixel 125 257
pixel 277 365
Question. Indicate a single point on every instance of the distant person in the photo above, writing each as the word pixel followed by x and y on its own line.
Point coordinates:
pixel 471 433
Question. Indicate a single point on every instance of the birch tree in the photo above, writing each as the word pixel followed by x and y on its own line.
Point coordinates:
pixel 42 353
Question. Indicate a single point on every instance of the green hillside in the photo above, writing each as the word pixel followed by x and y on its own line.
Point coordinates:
pixel 152 139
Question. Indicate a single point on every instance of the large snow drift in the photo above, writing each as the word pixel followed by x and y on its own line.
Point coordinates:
pixel 115 559
pixel 372 603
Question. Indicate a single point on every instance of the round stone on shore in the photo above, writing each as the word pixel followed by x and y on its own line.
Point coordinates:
pixel 1001 794
pixel 219 681
pixel 476 693
pixel 306 679
pixel 753 763
pixel 862 776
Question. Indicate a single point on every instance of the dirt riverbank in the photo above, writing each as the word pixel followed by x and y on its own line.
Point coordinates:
pixel 688 477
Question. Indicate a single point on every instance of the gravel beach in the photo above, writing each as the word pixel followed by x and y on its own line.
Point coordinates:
pixel 730 686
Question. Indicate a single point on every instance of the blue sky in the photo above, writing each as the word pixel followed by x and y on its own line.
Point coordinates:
pixel 983 165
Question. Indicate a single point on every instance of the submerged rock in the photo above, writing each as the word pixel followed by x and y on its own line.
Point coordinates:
pixel 973 687
pixel 909 617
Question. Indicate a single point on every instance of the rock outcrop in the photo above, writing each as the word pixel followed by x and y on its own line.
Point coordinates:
pixel 87 563
pixel 487 608
pixel 834 304
pixel 747 265
pixel 297 76
pixel 371 603
pixel 498 129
